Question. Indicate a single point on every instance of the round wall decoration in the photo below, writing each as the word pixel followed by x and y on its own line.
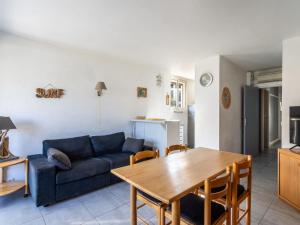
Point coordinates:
pixel 206 79
pixel 226 97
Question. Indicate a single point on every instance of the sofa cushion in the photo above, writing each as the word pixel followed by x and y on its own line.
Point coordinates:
pixel 83 169
pixel 75 148
pixel 108 144
pixel 133 145
pixel 117 159
pixel 59 159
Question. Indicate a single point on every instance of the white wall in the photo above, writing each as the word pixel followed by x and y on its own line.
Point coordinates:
pixel 207 105
pixel 216 127
pixel 26 65
pixel 234 78
pixel 290 83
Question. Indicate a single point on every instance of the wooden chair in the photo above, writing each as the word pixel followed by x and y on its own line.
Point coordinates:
pixel 175 148
pixel 146 199
pixel 242 170
pixel 197 210
pixel 178 148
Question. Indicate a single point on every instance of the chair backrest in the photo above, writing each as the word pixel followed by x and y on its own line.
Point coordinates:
pixel 174 148
pixel 223 185
pixel 143 156
pixel 242 170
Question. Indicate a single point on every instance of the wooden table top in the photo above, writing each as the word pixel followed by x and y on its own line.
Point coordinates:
pixel 172 177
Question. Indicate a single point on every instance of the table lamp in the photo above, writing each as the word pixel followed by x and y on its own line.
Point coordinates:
pixel 5 125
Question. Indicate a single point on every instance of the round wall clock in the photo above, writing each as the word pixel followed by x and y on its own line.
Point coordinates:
pixel 226 97
pixel 206 79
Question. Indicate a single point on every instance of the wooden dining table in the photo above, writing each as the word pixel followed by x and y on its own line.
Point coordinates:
pixel 170 178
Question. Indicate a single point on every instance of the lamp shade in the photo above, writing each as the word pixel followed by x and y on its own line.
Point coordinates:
pixel 100 86
pixel 6 123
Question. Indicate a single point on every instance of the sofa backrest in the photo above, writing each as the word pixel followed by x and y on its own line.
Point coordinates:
pixel 108 143
pixel 75 148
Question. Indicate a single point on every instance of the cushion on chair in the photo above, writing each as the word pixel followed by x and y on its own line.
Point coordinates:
pixel 149 197
pixel 59 159
pixel 240 190
pixel 108 144
pixel 133 145
pixel 83 169
pixel 75 148
pixel 117 159
pixel 192 209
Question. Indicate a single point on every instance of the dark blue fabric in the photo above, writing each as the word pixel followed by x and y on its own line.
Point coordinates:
pixel 89 173
pixel 147 147
pixel 133 145
pixel 150 198
pixel 75 148
pixel 108 144
pixel 117 160
pixel 192 209
pixel 240 189
pixel 69 190
pixel 114 179
pixel 41 180
pixel 83 169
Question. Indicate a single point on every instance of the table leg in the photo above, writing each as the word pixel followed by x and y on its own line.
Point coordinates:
pixel 26 178
pixel 133 209
pixel 176 212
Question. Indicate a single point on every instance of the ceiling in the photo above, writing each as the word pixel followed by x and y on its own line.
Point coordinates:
pixel 169 33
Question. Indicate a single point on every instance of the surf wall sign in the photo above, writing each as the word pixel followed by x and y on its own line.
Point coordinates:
pixel 49 92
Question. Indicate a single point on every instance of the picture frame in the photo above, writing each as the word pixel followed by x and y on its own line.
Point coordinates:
pixel 142 92
pixel 226 98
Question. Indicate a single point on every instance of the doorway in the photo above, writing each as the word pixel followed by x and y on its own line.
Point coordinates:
pixel 270 117
pixel 262 99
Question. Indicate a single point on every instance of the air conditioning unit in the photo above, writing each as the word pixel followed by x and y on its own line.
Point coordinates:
pixel 265 78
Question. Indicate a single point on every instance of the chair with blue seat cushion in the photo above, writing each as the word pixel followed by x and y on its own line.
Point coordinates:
pixel 197 210
pixel 192 209
pixel 242 170
pixel 149 197
pixel 240 191
pixel 143 197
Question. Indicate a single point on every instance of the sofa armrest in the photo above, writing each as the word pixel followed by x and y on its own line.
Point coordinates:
pixel 42 180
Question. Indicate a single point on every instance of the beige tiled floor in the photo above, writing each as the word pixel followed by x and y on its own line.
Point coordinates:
pixel 110 206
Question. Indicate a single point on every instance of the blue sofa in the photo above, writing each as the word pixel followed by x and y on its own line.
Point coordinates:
pixel 92 159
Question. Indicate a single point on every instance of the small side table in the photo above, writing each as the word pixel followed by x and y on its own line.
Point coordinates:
pixel 12 186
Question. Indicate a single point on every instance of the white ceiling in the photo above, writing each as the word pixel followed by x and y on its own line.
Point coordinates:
pixel 169 33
